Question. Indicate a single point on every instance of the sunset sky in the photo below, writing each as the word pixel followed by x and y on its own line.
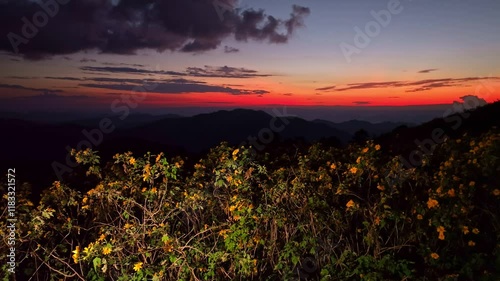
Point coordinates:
pixel 225 53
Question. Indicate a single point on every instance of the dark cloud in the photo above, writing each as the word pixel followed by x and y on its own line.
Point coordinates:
pixel 67 58
pixel 361 102
pixel 124 64
pixel 178 88
pixel 416 86
pixel 132 25
pixel 229 50
pixel 19 87
pixel 428 70
pixel 64 78
pixel 326 88
pixel 85 60
pixel 288 94
pixel 206 71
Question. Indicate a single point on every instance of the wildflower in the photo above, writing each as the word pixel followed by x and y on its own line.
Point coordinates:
pixel 333 166
pixel 496 192
pixel 353 170
pixel 137 266
pixel 377 147
pixel 102 237
pixel 432 203
pixel 235 152
pixel 420 217
pixel 472 183
pixel 471 243
pixel 350 204
pixel 377 221
pixel 451 192
pixel 132 161
pixel 106 250
pixel 88 249
pixel 441 232
pixel 76 254
pixel 465 230
pixel 435 256
pixel 365 150
pixel 158 158
pixel 380 187
pixel 127 226
pixel 358 160
pixel 84 200
pixel 475 231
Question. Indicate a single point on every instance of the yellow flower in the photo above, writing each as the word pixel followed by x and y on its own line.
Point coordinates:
pixel 350 204
pixel 420 217
pixel 353 170
pixel 377 147
pixel 158 157
pixel 496 192
pixel 333 166
pixel 465 230
pixel 380 187
pixel 435 256
pixel 365 150
pixel 106 250
pixel 85 200
pixel 451 192
pixel 471 243
pixel 358 160
pixel 235 152
pixel 432 203
pixel 472 183
pixel 88 249
pixel 441 232
pixel 132 161
pixel 475 231
pixel 137 266
pixel 232 208
pixel 102 237
pixel 76 254
pixel 127 226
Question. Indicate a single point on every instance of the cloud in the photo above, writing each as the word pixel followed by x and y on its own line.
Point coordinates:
pixel 428 70
pixel 124 27
pixel 229 50
pixel 470 102
pixel 361 102
pixel 19 87
pixel 206 71
pixel 415 86
pixel 288 94
pixel 125 64
pixel 178 88
pixel 85 60
pixel 326 88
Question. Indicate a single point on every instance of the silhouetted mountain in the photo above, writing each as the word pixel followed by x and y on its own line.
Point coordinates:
pixel 203 131
pixel 404 140
pixel 373 129
pixel 131 121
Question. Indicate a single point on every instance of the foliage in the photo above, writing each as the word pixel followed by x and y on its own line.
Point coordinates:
pixel 327 214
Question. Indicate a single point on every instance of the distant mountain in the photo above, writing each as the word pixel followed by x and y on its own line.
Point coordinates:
pixel 404 140
pixel 373 129
pixel 132 120
pixel 204 131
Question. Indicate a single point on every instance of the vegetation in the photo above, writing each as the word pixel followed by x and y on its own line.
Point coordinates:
pixel 323 214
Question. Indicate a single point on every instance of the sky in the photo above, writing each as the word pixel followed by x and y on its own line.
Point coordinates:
pixel 87 55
